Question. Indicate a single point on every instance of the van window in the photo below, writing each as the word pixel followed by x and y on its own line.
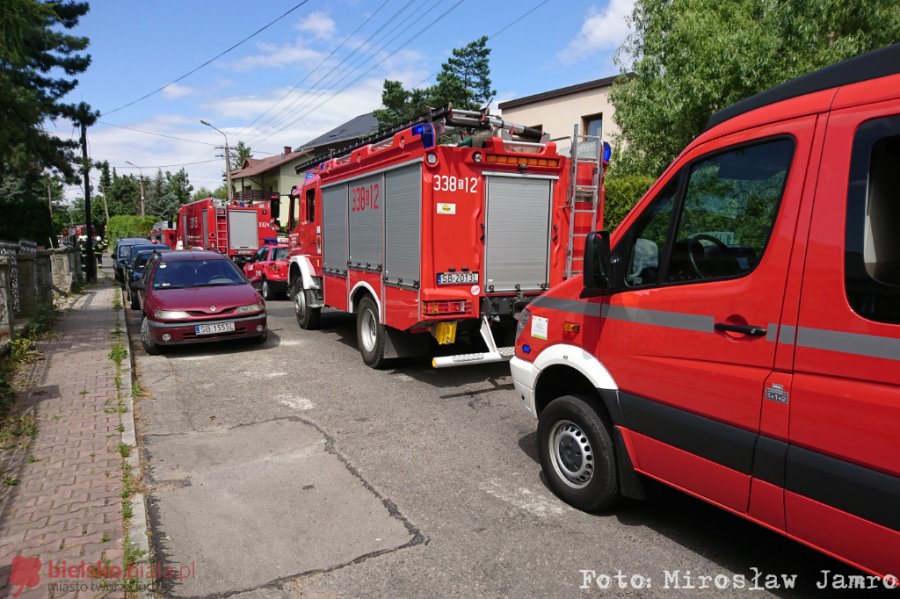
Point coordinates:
pixel 310 205
pixel 728 212
pixel 650 233
pixel 872 253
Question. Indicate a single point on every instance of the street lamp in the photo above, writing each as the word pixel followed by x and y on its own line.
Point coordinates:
pixel 227 158
pixel 142 184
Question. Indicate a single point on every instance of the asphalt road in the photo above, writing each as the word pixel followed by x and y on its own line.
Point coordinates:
pixel 293 470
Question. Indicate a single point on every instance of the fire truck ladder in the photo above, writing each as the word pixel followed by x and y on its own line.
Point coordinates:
pixel 585 149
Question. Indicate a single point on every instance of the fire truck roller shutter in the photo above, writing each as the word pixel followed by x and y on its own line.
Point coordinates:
pixel 334 233
pixel 366 222
pixel 204 240
pixel 242 229
pixel 403 201
pixel 517 233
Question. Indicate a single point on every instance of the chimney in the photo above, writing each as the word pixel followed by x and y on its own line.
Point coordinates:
pixel 287 149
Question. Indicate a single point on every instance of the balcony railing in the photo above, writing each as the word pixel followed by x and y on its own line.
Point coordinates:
pixel 254 195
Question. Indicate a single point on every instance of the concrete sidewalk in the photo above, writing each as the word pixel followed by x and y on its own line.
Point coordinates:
pixel 66 504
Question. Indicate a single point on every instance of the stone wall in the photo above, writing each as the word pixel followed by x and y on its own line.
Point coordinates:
pixel 30 277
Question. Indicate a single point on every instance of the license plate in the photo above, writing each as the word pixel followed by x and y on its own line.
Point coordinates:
pixel 212 329
pixel 457 278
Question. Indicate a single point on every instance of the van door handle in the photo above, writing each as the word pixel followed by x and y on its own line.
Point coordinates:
pixel 744 329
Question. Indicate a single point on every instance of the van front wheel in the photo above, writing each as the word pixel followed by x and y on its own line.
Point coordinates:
pixel 576 452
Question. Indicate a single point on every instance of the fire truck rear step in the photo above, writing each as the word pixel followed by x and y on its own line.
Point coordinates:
pixel 494 353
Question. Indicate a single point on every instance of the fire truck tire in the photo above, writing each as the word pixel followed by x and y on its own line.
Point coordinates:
pixel 264 290
pixel 308 318
pixel 575 447
pixel 370 333
pixel 149 345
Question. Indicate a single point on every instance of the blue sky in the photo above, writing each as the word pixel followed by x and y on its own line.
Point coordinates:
pixel 321 65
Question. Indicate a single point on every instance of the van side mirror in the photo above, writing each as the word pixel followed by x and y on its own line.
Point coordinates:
pixel 275 207
pixel 598 264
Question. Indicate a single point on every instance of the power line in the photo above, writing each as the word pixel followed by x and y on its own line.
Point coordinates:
pixel 353 67
pixel 208 62
pixel 378 64
pixel 330 54
pixel 167 165
pixel 490 37
pixel 196 141
pixel 284 113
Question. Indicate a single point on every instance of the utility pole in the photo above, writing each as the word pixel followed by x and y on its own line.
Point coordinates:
pixel 141 171
pixel 91 266
pixel 227 159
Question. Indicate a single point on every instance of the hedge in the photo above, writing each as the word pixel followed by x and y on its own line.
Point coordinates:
pixel 128 226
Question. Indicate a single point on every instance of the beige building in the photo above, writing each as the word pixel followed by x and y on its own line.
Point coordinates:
pixel 556 111
pixel 261 178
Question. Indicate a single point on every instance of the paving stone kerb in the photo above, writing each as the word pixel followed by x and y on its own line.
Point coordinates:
pixel 67 505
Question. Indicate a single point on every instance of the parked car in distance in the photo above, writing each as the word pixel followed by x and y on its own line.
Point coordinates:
pixel 268 270
pixel 120 251
pixel 194 296
pixel 135 271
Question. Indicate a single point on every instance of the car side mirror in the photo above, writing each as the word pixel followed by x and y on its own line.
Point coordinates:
pixel 137 285
pixel 598 263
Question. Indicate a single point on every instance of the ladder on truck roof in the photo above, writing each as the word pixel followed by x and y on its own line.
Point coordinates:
pixel 585 150
pixel 443 117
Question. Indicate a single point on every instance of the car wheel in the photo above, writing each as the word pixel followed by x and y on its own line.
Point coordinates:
pixel 147 341
pixel 308 318
pixel 265 291
pixel 135 303
pixel 576 452
pixel 370 334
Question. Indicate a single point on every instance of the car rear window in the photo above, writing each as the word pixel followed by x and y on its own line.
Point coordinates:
pixel 281 254
pixel 179 274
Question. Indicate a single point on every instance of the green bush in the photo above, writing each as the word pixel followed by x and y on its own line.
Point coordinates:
pixel 622 193
pixel 128 226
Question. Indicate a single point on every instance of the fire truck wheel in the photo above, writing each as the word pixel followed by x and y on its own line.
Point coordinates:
pixel 149 345
pixel 576 452
pixel 307 318
pixel 370 333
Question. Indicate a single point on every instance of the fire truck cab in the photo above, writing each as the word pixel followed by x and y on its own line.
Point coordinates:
pixel 422 240
pixel 738 335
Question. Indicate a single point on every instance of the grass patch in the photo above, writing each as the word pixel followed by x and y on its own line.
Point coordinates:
pixel 118 353
pixel 10 481
pixel 124 450
pixel 17 429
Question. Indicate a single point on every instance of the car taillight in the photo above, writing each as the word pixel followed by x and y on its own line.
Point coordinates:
pixel 445 307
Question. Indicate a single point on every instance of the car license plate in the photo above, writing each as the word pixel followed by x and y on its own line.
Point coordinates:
pixel 212 329
pixel 457 278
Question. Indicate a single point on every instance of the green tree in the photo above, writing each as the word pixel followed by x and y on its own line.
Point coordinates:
pixel 124 196
pixel 464 81
pixel 691 58
pixel 238 154
pixel 38 65
pixel 178 192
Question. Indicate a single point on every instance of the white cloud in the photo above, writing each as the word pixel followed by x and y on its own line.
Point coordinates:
pixel 319 24
pixel 602 29
pixel 277 56
pixel 175 91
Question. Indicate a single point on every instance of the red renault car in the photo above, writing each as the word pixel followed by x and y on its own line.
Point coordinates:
pixel 197 296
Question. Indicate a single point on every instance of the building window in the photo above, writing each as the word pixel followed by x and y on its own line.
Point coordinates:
pixel 592 124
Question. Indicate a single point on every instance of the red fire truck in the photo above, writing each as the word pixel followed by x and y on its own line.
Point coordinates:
pixel 422 240
pixel 236 229
pixel 164 232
